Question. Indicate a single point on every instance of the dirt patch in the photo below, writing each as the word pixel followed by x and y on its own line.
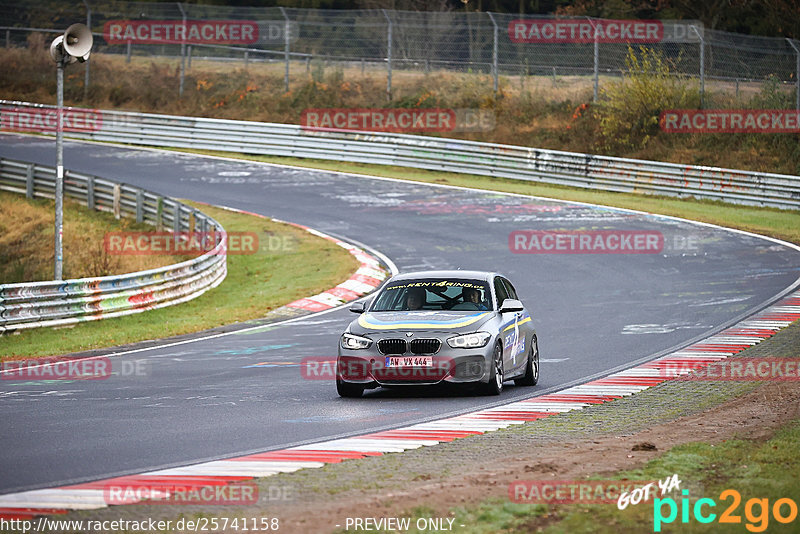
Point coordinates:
pixel 755 415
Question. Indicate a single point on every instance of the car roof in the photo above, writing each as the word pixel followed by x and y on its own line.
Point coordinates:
pixel 451 273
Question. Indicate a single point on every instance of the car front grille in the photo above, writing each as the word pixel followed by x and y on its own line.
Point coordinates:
pixel 425 346
pixel 392 346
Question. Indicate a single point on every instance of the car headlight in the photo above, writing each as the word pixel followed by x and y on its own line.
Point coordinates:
pixel 352 342
pixel 470 341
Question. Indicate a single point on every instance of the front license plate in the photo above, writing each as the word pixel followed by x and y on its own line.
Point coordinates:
pixel 409 361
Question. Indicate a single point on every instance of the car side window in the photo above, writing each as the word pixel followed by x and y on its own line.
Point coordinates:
pixel 500 291
pixel 512 293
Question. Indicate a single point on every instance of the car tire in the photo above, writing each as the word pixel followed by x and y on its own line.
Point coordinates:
pixel 495 384
pixel 348 390
pixel 531 376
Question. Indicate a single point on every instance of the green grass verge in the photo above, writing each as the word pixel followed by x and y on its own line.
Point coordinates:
pixel 773 222
pixel 255 284
pixel 756 470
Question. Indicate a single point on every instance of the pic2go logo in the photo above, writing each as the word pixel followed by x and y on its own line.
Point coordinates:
pixel 756 511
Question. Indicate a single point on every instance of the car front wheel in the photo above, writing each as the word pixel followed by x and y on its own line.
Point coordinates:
pixel 495 384
pixel 531 376
pixel 346 389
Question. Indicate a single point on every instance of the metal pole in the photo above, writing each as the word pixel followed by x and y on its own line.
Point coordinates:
pixel 286 49
pixel 596 62
pixel 494 53
pixel 183 50
pixel 59 192
pixel 702 67
pixel 189 57
pixel 797 73
pixel 128 53
pixel 86 64
pixel 388 57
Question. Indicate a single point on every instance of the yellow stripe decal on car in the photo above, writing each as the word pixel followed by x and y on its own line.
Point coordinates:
pixel 509 327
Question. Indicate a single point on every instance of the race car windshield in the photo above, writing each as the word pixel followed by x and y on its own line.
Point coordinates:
pixel 434 294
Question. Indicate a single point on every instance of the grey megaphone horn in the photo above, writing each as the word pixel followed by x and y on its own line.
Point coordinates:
pixel 74 45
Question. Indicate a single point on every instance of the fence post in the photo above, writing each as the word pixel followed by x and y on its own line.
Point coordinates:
pixel 596 62
pixel 8 38
pixel 702 66
pixel 796 73
pixel 183 50
pixel 286 49
pixel 494 52
pixel 189 57
pixel 388 56
pixel 86 64
pixel 246 58
pixel 128 53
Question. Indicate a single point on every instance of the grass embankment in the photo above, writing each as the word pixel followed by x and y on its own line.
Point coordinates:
pixel 289 264
pixel 537 111
pixel 760 470
pixel 27 250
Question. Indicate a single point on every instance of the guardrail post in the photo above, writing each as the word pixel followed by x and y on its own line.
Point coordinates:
pixel 90 193
pixel 116 205
pixel 494 52
pixel 29 181
pixel 388 57
pixel 176 219
pixel 159 213
pixel 139 205
pixel 796 73
pixel 285 50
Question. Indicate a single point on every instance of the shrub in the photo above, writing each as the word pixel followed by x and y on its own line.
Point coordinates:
pixel 628 112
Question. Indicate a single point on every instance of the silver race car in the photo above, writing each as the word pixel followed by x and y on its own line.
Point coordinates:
pixel 461 327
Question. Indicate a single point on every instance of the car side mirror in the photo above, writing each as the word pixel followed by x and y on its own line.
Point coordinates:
pixel 358 307
pixel 511 305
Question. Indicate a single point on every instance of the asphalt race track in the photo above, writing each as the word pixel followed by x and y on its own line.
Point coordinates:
pixel 233 395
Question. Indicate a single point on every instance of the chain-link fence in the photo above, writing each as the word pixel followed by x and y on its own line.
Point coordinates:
pixel 507 48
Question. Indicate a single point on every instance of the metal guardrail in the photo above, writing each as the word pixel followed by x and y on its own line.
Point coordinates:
pixel 53 303
pixel 547 166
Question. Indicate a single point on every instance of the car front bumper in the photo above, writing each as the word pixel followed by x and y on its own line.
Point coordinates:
pixel 458 366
